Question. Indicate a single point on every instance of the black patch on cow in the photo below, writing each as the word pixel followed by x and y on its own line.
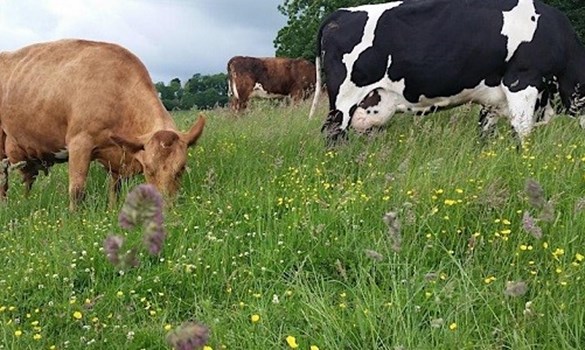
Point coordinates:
pixel 371 100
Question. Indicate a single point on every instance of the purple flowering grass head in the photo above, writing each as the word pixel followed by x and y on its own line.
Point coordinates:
pixel 516 288
pixel 529 224
pixel 154 238
pixel 391 220
pixel 188 336
pixel 144 204
pixel 374 255
pixel 535 193
pixel 112 245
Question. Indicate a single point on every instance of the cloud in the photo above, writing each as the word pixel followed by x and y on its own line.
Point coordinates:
pixel 174 38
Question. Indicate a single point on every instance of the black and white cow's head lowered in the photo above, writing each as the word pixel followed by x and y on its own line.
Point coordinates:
pixel 417 56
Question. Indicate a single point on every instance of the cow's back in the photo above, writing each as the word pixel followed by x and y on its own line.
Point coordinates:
pixel 53 90
pixel 72 84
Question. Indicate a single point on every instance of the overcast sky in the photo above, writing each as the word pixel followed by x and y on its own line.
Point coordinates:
pixel 174 38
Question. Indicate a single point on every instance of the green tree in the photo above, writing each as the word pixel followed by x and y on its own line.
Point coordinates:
pixel 208 91
pixel 201 91
pixel 298 38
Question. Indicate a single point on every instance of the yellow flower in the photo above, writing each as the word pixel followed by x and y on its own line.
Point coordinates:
pixel 292 342
pixel 453 326
pixel 168 327
pixel 255 318
pixel 17 333
pixel 77 315
pixel 120 293
pixel 558 252
pixel 579 257
pixel 37 336
pixel 314 347
pixel 489 279
pixel 450 202
pixel 206 347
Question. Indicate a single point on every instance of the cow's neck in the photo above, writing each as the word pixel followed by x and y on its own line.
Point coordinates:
pixel 572 83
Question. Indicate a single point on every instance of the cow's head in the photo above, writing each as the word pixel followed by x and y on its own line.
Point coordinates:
pixel 164 155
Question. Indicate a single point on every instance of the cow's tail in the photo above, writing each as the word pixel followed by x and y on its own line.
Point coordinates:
pixel 318 86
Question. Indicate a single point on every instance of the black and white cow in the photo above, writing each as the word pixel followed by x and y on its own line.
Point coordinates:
pixel 421 55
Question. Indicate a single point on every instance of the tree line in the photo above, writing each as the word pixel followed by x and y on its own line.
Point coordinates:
pixel 297 39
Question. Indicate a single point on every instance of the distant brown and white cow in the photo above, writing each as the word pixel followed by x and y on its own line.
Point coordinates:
pixel 78 101
pixel 269 77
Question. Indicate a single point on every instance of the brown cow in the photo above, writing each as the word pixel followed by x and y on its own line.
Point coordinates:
pixel 269 77
pixel 78 101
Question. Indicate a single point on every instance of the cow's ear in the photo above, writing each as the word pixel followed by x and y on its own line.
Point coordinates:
pixel 134 146
pixel 191 136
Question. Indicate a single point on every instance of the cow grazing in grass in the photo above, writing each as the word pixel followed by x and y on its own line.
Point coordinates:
pixel 267 78
pixel 418 56
pixel 78 101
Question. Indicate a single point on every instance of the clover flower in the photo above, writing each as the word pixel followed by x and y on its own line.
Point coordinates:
pixel 188 336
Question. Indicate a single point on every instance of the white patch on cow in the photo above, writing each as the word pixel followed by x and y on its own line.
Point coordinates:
pixel 62 154
pixel 519 25
pixel 482 94
pixel 348 91
pixel 259 91
pixel 521 109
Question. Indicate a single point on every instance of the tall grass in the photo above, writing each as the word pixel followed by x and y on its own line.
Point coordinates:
pixel 271 223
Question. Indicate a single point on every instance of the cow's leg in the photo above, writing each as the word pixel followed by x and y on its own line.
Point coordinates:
pixel 296 95
pixel 80 148
pixel 488 118
pixel 375 110
pixel 521 110
pixel 332 128
pixel 29 173
pixel 114 190
pixel 4 164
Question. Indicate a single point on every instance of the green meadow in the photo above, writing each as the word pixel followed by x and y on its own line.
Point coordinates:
pixel 420 236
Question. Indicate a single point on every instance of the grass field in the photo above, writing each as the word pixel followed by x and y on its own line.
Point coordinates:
pixel 412 238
